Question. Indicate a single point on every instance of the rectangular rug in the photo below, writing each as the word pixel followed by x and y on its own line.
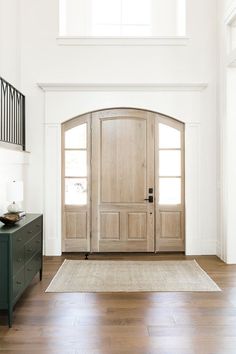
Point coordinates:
pixel 130 276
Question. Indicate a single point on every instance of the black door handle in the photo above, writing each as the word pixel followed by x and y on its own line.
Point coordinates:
pixel 150 199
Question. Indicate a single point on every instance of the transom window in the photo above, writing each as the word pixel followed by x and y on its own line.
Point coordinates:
pixel 122 18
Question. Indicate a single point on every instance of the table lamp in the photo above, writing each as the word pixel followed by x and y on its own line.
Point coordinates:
pixel 14 194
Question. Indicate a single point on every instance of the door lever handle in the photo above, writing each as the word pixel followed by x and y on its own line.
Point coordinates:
pixel 149 199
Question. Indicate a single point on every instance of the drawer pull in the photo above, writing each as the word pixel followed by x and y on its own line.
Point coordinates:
pixel 29 250
pixel 19 239
pixel 29 269
pixel 18 282
pixel 30 232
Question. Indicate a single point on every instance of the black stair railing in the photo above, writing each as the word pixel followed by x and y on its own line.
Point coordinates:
pixel 12 114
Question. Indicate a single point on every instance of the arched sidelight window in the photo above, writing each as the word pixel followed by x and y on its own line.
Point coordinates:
pixel 75 183
pixel 170 185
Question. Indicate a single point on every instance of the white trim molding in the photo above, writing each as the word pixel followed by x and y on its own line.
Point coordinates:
pixel 122 41
pixel 230 18
pixel 230 13
pixel 108 87
pixel 231 59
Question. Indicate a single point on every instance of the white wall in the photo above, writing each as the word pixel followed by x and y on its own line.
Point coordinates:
pixel 13 164
pixel 10 41
pixel 227 132
pixel 43 60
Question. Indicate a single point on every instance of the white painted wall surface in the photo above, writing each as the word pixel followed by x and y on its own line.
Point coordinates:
pixel 43 60
pixel 10 41
pixel 13 164
pixel 227 143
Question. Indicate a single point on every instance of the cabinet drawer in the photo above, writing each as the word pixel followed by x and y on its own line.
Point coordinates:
pixel 18 284
pixel 18 259
pixel 37 226
pixel 32 246
pixel 32 267
pixel 34 227
pixel 19 239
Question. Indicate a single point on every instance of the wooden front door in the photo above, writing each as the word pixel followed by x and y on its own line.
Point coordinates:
pixel 122 177
pixel 123 182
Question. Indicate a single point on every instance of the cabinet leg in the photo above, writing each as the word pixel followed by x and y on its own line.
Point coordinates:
pixel 10 314
pixel 40 274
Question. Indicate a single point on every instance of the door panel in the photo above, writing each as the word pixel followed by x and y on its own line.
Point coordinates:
pixel 76 225
pixel 123 160
pixel 170 224
pixel 110 226
pixel 137 226
pixel 122 173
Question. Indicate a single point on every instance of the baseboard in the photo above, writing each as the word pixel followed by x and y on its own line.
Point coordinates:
pixel 202 247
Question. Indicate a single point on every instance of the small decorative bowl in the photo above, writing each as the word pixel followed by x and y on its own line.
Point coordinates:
pixel 10 218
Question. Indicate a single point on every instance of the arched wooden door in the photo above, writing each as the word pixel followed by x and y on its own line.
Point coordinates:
pixel 123 182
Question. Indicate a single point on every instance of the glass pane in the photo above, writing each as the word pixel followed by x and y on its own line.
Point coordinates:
pixel 136 12
pixel 76 163
pixel 75 191
pixel 169 163
pixel 106 12
pixel 76 138
pixel 170 191
pixel 169 137
pixel 132 30
pixel 106 30
pixel 165 17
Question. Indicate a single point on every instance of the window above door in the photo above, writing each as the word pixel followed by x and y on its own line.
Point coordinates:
pixel 111 22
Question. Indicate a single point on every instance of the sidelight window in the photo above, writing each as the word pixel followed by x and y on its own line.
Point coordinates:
pixel 170 165
pixel 75 165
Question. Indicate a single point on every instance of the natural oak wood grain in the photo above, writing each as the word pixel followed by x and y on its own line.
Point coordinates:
pixel 122 173
pixel 122 323
pixel 123 148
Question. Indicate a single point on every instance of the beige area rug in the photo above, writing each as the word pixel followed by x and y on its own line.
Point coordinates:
pixel 130 276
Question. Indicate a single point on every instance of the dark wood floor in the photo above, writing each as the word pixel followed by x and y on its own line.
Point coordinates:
pixel 124 323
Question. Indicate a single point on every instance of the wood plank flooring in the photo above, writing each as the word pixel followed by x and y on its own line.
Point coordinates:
pixel 124 323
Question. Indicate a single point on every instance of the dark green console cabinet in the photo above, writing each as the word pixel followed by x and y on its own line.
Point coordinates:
pixel 20 259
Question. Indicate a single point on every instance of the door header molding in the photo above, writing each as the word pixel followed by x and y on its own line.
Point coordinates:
pixel 141 87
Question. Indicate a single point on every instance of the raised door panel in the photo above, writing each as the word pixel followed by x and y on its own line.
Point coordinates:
pixel 76 225
pixel 110 226
pixel 170 231
pixel 123 160
pixel 170 225
pixel 137 226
